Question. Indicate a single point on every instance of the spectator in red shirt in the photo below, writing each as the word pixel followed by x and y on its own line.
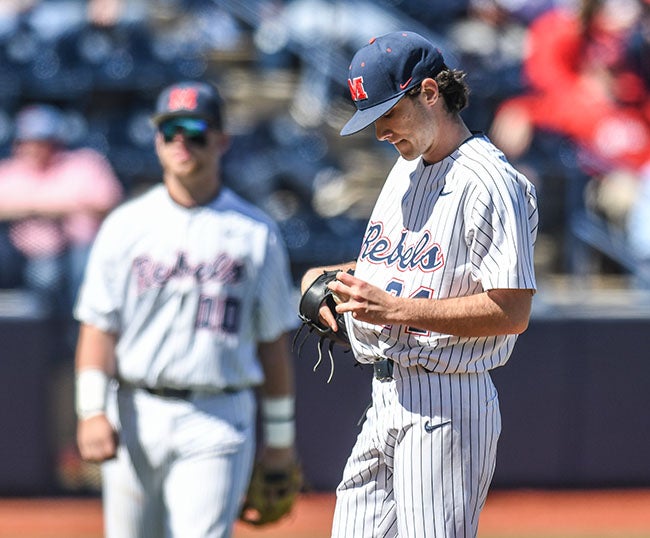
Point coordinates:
pixel 581 129
pixel 581 87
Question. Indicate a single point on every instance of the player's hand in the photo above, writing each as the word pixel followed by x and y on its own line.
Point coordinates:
pixel 96 439
pixel 366 302
pixel 325 315
pixel 309 277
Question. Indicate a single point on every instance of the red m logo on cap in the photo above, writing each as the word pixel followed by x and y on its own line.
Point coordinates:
pixel 357 91
pixel 183 99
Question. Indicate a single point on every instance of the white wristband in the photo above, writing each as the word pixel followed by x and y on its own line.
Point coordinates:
pixel 278 423
pixel 278 408
pixel 90 394
pixel 279 434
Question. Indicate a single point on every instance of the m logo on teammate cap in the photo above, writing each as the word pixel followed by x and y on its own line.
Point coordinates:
pixel 182 99
pixel 189 99
pixel 357 91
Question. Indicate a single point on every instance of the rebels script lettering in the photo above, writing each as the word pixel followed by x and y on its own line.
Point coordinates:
pixel 424 254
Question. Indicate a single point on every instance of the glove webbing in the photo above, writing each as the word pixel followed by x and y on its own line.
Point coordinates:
pixel 321 340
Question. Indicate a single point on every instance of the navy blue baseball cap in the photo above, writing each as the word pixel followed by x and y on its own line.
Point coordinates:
pixel 383 71
pixel 190 100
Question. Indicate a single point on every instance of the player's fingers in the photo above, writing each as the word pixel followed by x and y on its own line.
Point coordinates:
pixel 98 452
pixel 96 443
pixel 340 292
pixel 88 452
pixel 327 317
pixel 346 278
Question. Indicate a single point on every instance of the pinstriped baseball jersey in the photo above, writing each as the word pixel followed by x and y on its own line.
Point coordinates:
pixel 461 226
pixel 190 291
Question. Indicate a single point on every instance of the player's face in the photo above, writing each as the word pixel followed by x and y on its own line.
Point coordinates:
pixel 188 147
pixel 410 126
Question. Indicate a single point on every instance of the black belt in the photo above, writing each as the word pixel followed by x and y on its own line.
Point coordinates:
pixel 383 370
pixel 167 392
pixel 183 394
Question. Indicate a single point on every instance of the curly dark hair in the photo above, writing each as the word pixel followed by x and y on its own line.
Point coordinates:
pixel 453 88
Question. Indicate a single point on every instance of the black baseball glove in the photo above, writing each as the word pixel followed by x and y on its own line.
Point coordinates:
pixel 310 303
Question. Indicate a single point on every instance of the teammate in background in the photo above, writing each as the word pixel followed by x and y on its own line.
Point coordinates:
pixel 442 287
pixel 184 309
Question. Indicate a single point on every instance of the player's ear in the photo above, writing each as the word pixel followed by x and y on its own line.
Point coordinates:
pixel 429 90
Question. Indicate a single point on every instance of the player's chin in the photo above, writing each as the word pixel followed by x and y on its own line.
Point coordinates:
pixel 406 150
pixel 186 168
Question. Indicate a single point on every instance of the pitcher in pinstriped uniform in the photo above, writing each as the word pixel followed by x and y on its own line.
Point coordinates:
pixel 442 287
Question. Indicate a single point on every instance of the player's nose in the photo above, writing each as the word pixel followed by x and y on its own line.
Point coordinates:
pixel 180 138
pixel 381 130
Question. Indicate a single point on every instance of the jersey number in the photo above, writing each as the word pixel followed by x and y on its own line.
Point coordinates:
pixel 396 287
pixel 217 314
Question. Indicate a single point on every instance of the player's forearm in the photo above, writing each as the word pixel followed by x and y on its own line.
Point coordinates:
pixel 277 405
pixel 95 349
pixel 502 311
pixel 486 314
pixel 94 365
pixel 275 358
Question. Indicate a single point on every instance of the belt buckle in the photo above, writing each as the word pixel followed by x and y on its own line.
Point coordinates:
pixel 383 370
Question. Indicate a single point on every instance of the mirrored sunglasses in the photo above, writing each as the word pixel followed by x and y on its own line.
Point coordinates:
pixel 194 130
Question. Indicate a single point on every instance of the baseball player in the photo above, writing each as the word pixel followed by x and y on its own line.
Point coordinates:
pixel 442 286
pixel 184 310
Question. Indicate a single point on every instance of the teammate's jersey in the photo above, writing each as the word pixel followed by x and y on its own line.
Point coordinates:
pixel 189 291
pixel 458 227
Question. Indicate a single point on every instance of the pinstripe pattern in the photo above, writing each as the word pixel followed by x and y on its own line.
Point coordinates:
pixel 402 480
pixel 424 459
pixel 478 216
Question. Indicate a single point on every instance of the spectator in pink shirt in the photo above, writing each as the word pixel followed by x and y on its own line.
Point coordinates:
pixel 52 200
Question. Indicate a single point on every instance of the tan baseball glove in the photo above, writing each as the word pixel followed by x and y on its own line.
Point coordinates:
pixel 271 494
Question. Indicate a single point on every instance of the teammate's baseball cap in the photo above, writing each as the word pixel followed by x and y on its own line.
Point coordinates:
pixel 383 71
pixel 190 100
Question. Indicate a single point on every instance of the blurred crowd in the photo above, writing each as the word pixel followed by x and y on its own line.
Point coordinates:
pixel 561 86
pixel 587 73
